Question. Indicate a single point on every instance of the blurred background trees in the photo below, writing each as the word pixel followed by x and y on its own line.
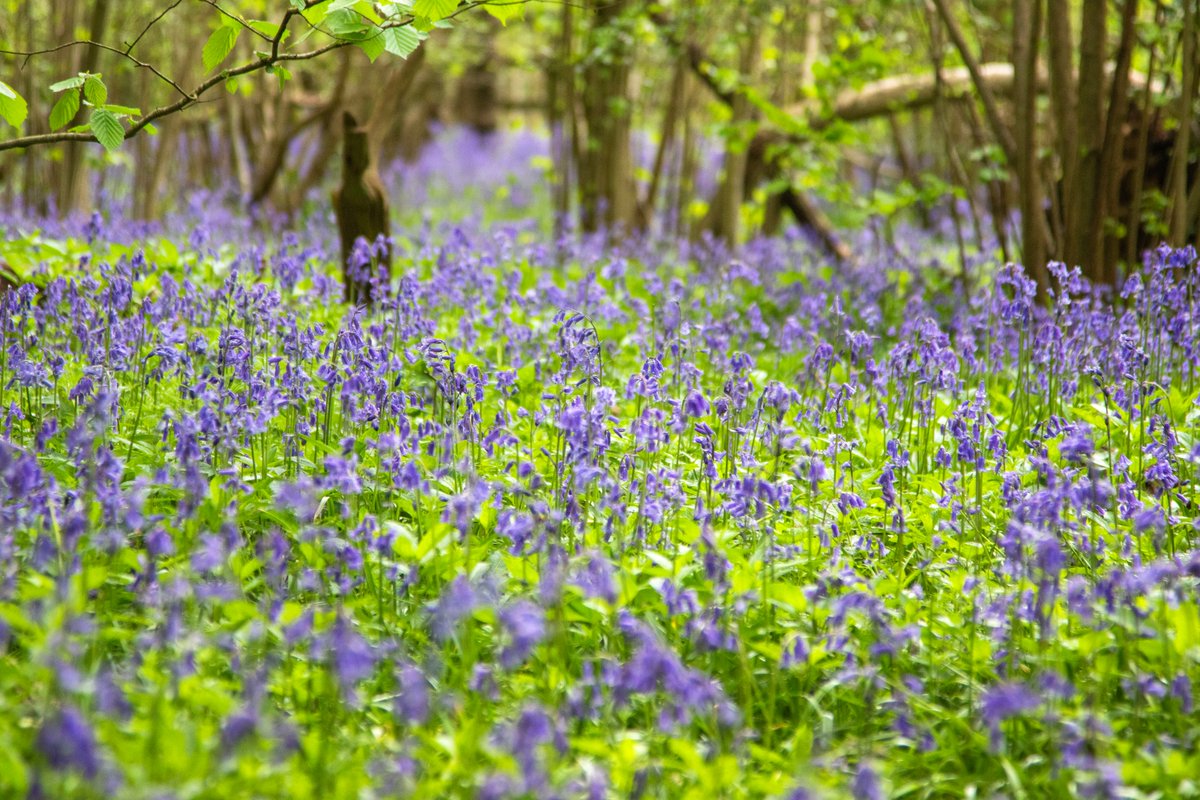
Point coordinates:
pixel 1031 130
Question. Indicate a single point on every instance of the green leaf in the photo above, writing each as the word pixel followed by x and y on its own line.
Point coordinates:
pixel 13 108
pixel 282 73
pixel 268 29
pixel 64 110
pixel 95 91
pixel 315 15
pixel 506 10
pixel 434 9
pixel 401 42
pixel 107 129
pixel 123 111
pixel 373 46
pixel 218 47
pixel 346 24
pixel 69 83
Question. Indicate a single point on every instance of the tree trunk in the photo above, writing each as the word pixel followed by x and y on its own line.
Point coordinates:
pixel 727 206
pixel 1027 19
pixel 1179 161
pixel 1085 213
pixel 1062 104
pixel 1112 169
pixel 607 195
pixel 76 191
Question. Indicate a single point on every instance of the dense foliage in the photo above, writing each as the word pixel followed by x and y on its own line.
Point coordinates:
pixel 559 519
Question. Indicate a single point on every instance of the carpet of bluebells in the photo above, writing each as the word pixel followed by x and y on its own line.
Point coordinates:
pixel 571 520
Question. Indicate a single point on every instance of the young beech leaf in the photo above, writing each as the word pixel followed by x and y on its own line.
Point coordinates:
pixel 506 10
pixel 69 83
pixel 434 9
pixel 107 129
pixel 218 47
pixel 64 110
pixel 95 91
pixel 13 108
pixel 402 42
pixel 373 46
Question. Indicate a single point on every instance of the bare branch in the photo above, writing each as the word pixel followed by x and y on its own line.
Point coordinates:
pixel 188 99
pixel 238 19
pixel 101 46
pixel 151 24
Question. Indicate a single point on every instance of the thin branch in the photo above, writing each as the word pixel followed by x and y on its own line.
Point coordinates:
pixel 263 62
pixel 100 45
pixel 151 24
pixel 238 20
pixel 990 107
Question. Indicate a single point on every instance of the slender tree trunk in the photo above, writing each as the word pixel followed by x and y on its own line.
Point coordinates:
pixel 608 198
pixel 561 104
pixel 1086 212
pixel 1179 159
pixel 1027 19
pixel 1062 104
pixel 666 141
pixel 727 207
pixel 1133 218
pixel 77 192
pixel 1111 168
pixel 991 108
pixel 813 18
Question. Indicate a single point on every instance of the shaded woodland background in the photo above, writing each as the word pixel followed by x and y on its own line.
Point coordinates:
pixel 1034 129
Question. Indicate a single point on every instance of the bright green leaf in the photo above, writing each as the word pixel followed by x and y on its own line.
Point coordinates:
pixel 13 108
pixel 219 46
pixel 69 83
pixel 64 110
pixel 315 15
pixel 282 73
pixel 401 42
pixel 434 9
pixel 107 129
pixel 95 91
pixel 506 10
pixel 268 29
pixel 127 111
pixel 373 46
pixel 346 24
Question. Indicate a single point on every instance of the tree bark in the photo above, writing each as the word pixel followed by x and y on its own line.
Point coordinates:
pixel 1179 161
pixel 1062 104
pixel 76 190
pixel 607 196
pixel 1086 201
pixel 731 193
pixel 1026 27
